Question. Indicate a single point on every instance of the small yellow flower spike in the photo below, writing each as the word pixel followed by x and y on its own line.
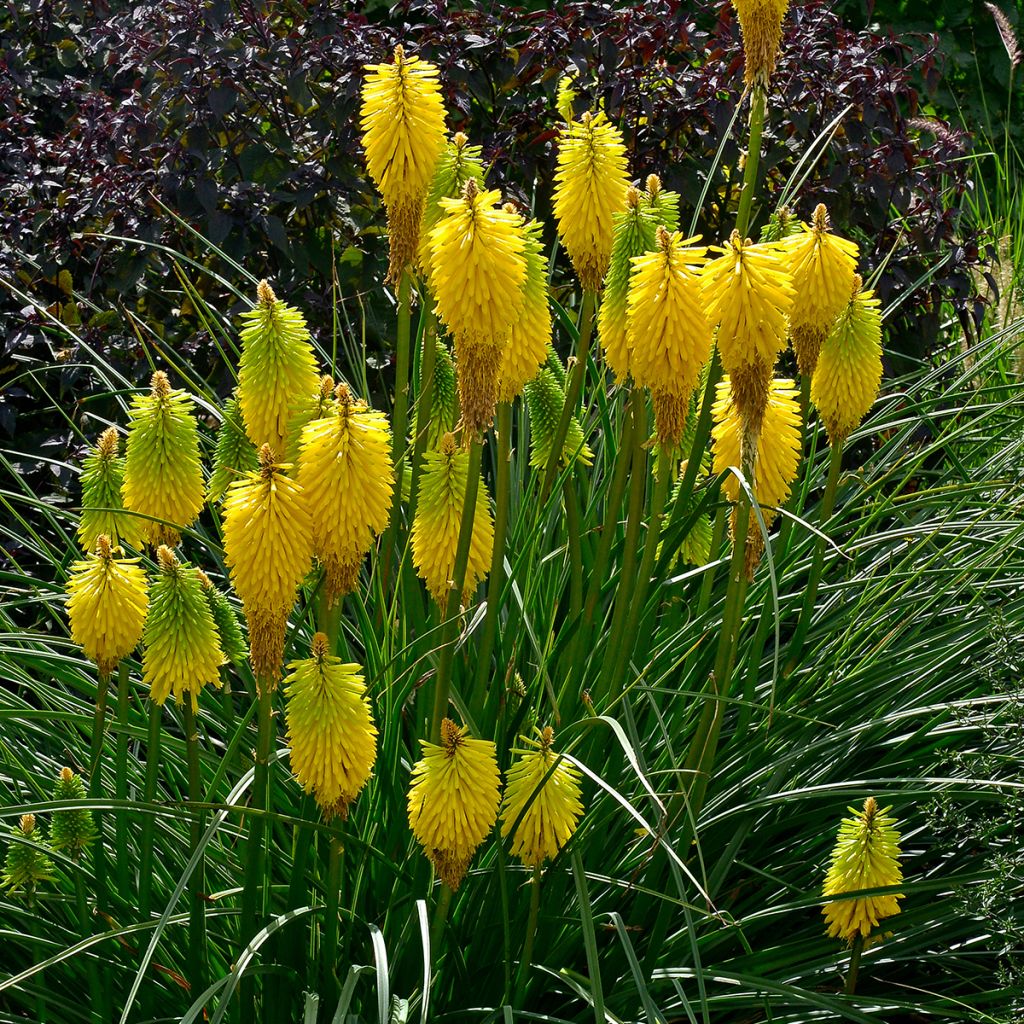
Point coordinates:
pixel 590 188
pixel 849 371
pixel 346 472
pixel 761 25
pixel 163 474
pixel 268 544
pixel 822 266
pixel 331 735
pixel 667 333
pixel 402 118
pixel 102 479
pixel 778 447
pixel 866 856
pixel 435 531
pixel 551 818
pixel 107 604
pixel 478 269
pixel 453 800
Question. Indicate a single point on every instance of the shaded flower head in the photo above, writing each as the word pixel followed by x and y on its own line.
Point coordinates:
pixel 235 454
pixel 26 866
pixel 102 480
pixel 545 399
pixel 232 643
pixel 71 831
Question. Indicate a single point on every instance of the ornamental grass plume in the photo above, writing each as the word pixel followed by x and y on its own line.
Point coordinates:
pixel 102 480
pixel 460 162
pixel 822 266
pixel 107 605
pixel 550 817
pixel 668 335
pixel 453 799
pixel 347 478
pixel 402 119
pixel 181 649
pixel 71 831
pixel 235 454
pixel 761 25
pixel 332 741
pixel 232 643
pixel 866 856
pixel 545 398
pixel 163 474
pixel 849 371
pixel 590 188
pixel 268 544
pixel 478 269
pixel 277 374
pixel 435 530
pixel 26 866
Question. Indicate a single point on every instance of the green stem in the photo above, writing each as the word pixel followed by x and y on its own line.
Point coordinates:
pixel 531 936
pixel 95 793
pixel 449 629
pixel 121 782
pixel 332 904
pixel 851 976
pixel 424 406
pixel 444 902
pixel 572 394
pixel 197 883
pixel 757 112
pixel 85 929
pixel 574 542
pixel 149 820
pixel 496 580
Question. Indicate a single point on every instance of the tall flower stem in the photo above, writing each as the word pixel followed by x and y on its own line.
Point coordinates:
pixel 757 114
pixel 197 883
pixel 121 782
pixel 449 630
pixel 496 579
pixel 95 793
pixel 332 903
pixel 424 406
pixel 149 821
pixel 444 902
pixel 531 937
pixel 851 975
pixel 572 393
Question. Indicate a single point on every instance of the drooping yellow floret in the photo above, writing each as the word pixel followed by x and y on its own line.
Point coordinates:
pixel 181 646
pixel 347 477
pixel 435 531
pixel 778 446
pixel 268 544
pixel 102 481
pixel 277 374
pixel 866 856
pixel 590 188
pixel 331 735
pixel 667 333
pixel 550 818
pixel 849 371
pixel 402 119
pixel 478 269
pixel 761 25
pixel 453 800
pixel 107 604
pixel 822 266
pixel 163 475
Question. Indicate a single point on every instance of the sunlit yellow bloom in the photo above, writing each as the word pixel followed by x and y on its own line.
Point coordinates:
pixel 761 25
pixel 331 735
pixel 459 163
pixel 102 481
pixel 453 800
pixel 866 856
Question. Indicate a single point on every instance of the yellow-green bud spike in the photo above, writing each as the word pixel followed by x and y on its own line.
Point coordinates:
pixel 545 398
pixel 25 865
pixel 232 642
pixel 71 831
pixel 102 480
pixel 235 454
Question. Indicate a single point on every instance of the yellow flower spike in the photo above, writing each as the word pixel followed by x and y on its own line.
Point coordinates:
pixel 667 333
pixel 550 817
pixel 530 335
pixel 277 374
pixel 347 476
pixel 107 604
pixel 761 25
pixel 478 269
pixel 181 647
pixel 163 475
pixel 453 800
pixel 866 856
pixel 435 531
pixel 822 266
pixel 778 448
pixel 402 119
pixel 565 97
pixel 332 740
pixel 590 188
pixel 102 481
pixel 268 544
pixel 849 371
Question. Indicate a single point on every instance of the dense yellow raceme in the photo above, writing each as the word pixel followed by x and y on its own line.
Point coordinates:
pixel 435 530
pixel 590 189
pixel 402 120
pixel 866 856
pixel 548 819
pixel 453 799
pixel 107 605
pixel 849 371
pixel 667 334
pixel 163 475
pixel 268 544
pixel 347 478
pixel 761 25
pixel 332 740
